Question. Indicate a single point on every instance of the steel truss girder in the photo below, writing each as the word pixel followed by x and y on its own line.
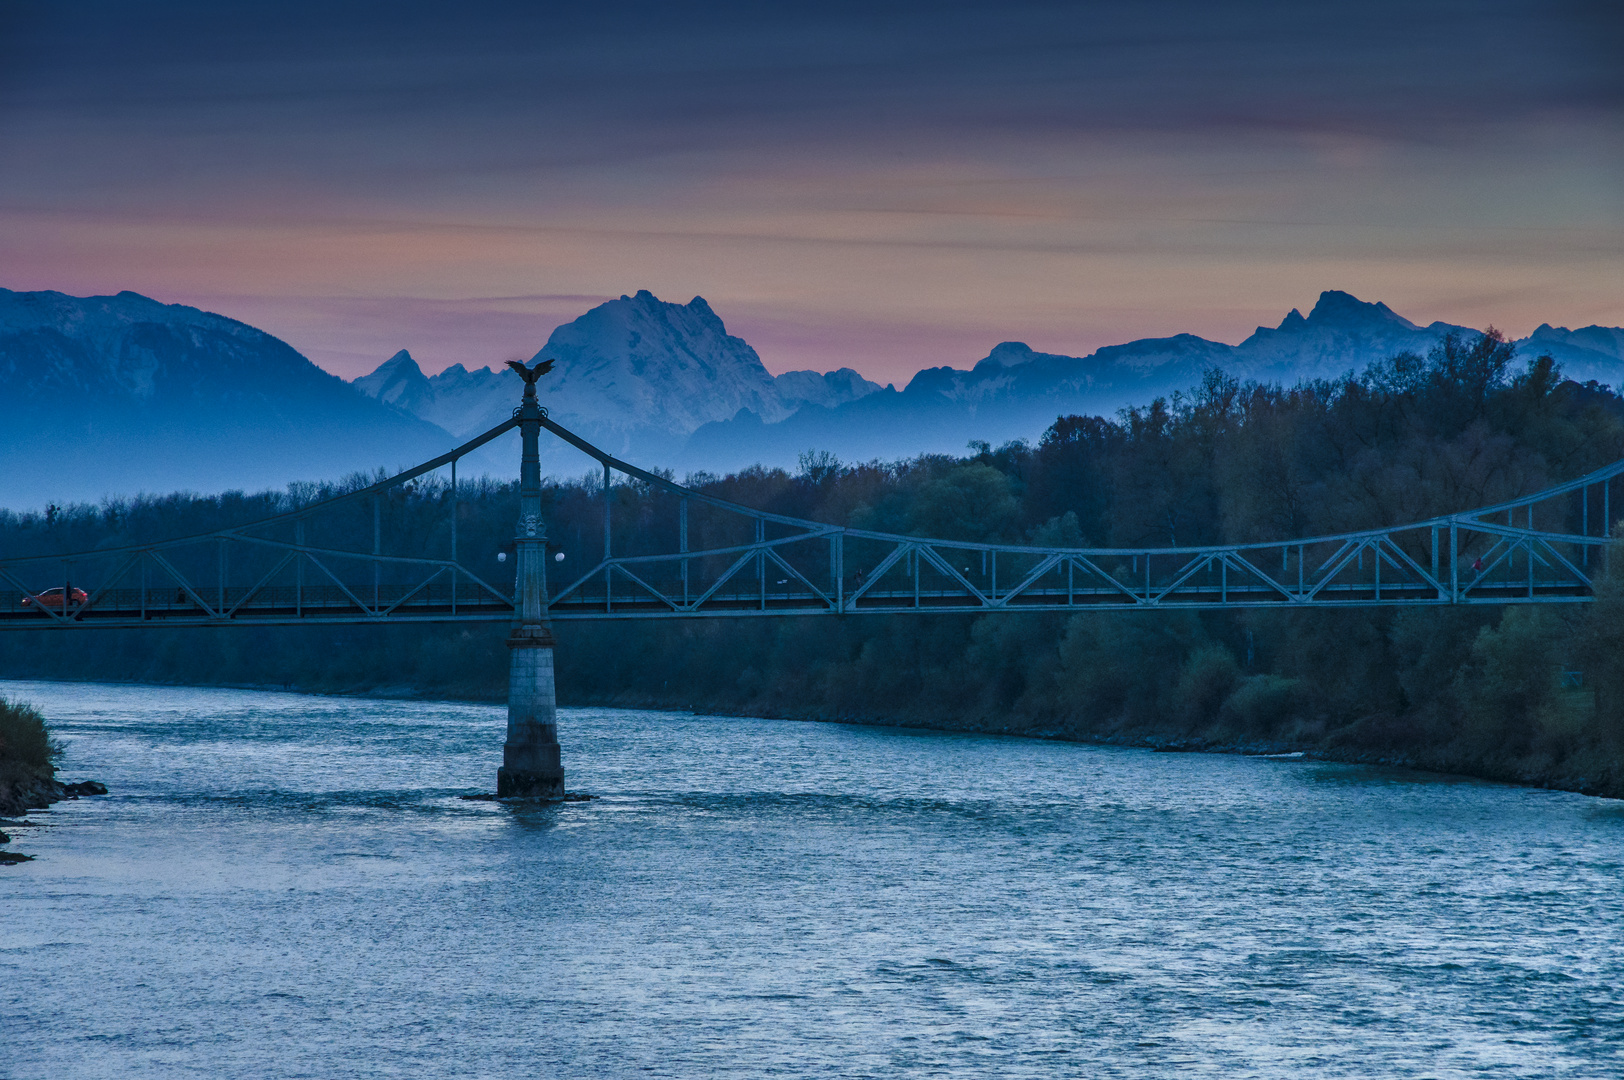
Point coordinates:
pixel 817 568
pixel 420 589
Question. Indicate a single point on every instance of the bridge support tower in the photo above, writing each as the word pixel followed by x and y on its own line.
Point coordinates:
pixel 531 765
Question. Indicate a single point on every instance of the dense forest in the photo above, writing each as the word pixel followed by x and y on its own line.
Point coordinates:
pixel 1519 693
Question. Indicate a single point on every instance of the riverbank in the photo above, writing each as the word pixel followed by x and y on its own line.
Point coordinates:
pixel 19 797
pixel 1605 778
pixel 297 876
pixel 28 768
pixel 1375 741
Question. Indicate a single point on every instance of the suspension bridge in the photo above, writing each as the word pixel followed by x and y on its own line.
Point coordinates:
pixel 699 556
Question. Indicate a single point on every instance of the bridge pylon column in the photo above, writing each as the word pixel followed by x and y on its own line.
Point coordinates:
pixel 531 764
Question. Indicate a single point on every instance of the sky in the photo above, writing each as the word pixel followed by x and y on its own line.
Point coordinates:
pixel 884 186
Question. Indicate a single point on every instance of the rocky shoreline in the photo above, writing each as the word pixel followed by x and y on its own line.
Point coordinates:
pixel 20 796
pixel 17 797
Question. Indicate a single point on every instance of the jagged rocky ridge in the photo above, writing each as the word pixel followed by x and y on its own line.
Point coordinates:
pixel 113 395
pixel 635 375
pixel 1016 393
pixel 665 384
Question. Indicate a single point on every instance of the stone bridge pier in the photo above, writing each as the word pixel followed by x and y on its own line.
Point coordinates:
pixel 531 765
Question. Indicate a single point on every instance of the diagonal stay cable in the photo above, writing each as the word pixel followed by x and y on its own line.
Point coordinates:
pixel 235 532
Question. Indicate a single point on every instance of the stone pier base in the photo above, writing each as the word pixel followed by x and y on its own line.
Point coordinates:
pixel 531 767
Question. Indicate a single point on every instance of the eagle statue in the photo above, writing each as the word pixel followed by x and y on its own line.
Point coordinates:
pixel 530 375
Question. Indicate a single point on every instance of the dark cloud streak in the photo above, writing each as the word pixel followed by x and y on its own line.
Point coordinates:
pixel 910 168
pixel 673 77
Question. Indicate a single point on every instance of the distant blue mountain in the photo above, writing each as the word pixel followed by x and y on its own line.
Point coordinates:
pixel 1016 393
pixel 120 394
pixel 635 375
pixel 114 395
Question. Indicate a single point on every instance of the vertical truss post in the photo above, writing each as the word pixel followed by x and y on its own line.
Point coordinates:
pixel 1435 553
pixel 377 547
pixel 839 541
pixel 1454 563
pixel 220 565
pixel 761 561
pixel 1071 582
pixel 1511 555
pixel 913 555
pixel 1376 557
pixel 608 511
pixel 456 509
pixel 993 595
pixel 1584 523
pixel 298 571
pixel 1302 557
pixel 834 570
pixel 531 762
pixel 143 587
pixel 1147 577
pixel 682 544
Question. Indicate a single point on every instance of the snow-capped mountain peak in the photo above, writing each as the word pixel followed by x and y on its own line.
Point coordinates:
pixel 398 381
pixel 639 362
pixel 633 372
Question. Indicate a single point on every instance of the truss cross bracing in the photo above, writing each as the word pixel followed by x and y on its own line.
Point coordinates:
pixel 1548 547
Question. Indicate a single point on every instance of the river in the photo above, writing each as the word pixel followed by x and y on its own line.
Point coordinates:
pixel 290 886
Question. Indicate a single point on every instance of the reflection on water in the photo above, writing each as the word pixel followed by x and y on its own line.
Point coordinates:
pixel 291 886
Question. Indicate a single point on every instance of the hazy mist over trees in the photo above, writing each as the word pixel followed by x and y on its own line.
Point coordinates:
pixel 1518 692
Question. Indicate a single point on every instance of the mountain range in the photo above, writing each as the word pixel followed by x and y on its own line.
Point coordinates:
pixel 636 376
pixel 661 382
pixel 111 395
pixel 119 394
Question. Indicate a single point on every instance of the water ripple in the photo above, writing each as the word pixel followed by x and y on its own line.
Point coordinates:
pixel 290 886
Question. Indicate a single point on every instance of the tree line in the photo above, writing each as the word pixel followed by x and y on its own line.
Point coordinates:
pixel 1519 693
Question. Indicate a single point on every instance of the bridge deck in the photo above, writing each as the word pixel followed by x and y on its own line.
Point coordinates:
pixel 1542 548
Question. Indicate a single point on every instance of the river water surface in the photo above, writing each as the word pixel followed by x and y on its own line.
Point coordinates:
pixel 291 886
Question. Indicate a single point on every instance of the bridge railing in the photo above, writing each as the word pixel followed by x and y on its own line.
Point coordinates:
pixel 288 567
pixel 1543 548
pixel 702 556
